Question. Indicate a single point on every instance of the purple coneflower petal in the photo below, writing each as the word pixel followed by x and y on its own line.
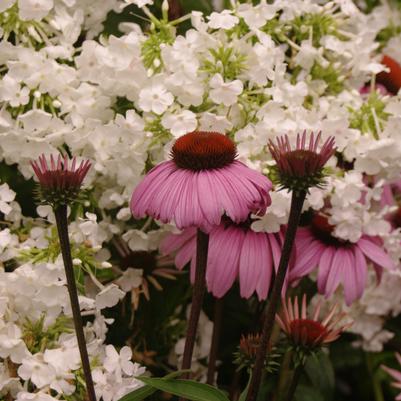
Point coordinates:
pixel 276 249
pixel 361 271
pixel 336 272
pixel 250 263
pixel 349 273
pixel 173 242
pixel 326 259
pixel 185 254
pixel 232 201
pixel 308 259
pixel 148 188
pixel 223 266
pixel 208 197
pixel 265 267
pixel 375 253
pixel 165 203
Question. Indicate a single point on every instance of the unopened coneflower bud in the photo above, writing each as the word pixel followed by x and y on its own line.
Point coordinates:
pixel 301 168
pixel 60 179
pixel 249 347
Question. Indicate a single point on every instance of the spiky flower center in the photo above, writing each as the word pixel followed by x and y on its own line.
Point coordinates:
pixel 203 151
pixel 307 332
pixel 249 345
pixel 302 162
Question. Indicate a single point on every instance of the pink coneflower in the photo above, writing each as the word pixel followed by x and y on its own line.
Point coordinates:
pixel 60 182
pixel 395 374
pixel 201 183
pixel 301 168
pixel 309 332
pixel 235 251
pixel 338 261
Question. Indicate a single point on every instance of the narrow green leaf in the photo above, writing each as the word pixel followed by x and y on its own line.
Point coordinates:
pixel 243 395
pixel 140 394
pixel 187 388
pixel 146 391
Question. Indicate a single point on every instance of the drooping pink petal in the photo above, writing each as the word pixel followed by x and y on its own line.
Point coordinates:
pixel 168 196
pixel 349 279
pixel 229 200
pixel 307 259
pixel 173 242
pixel 326 259
pixel 361 271
pixel 186 253
pixel 261 185
pixel 224 260
pixel 147 189
pixel 187 212
pixel 250 263
pixel 336 272
pixel 208 194
pixel 375 253
pixel 275 248
pixel 265 268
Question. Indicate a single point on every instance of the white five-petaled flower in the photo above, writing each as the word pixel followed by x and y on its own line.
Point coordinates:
pixel 155 98
pixel 225 92
pixel 181 123
pixel 223 20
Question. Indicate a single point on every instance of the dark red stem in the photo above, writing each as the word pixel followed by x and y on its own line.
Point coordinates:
pixel 202 245
pixel 214 348
pixel 62 228
pixel 297 202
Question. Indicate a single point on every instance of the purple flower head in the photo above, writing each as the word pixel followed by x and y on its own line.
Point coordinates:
pixel 202 182
pixel 59 181
pixel 338 261
pixel 301 168
pixel 236 252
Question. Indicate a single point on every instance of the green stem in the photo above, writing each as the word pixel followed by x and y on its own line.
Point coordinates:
pixel 294 382
pixel 377 389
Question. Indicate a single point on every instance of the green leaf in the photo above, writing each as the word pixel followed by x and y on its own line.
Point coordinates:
pixel 320 372
pixel 146 391
pixel 186 388
pixel 243 395
pixel 140 394
pixel 305 393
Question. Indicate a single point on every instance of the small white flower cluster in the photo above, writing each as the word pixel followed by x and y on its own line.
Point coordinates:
pixel 38 343
pixel 252 72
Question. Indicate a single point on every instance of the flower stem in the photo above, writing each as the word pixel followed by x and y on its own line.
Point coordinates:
pixel 62 228
pixel 202 245
pixel 297 202
pixel 218 314
pixel 294 382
